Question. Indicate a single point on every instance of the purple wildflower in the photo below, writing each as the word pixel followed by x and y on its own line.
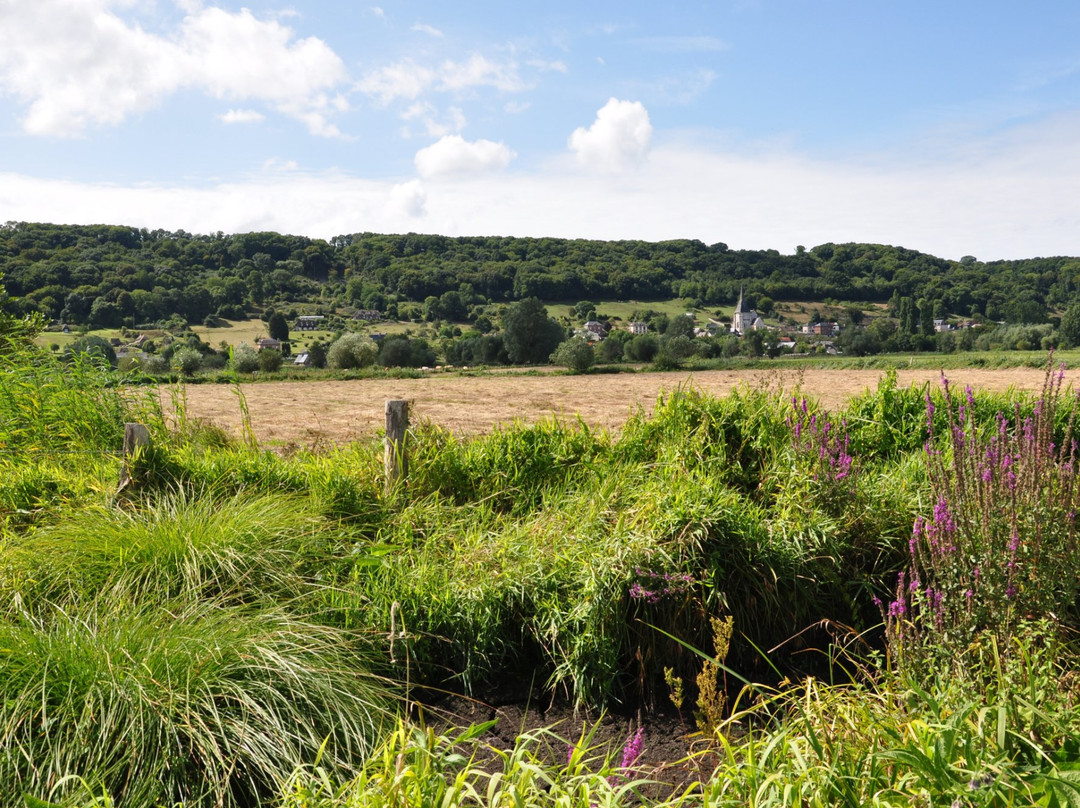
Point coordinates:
pixel 633 749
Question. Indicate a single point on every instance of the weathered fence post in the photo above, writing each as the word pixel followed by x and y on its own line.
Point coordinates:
pixel 136 438
pixel 396 460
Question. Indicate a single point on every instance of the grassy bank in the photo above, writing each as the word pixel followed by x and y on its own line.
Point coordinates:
pixel 240 627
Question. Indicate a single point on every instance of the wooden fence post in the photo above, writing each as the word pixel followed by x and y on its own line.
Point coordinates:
pixel 136 438
pixel 396 460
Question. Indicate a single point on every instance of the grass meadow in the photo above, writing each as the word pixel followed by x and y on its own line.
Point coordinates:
pixel 874 605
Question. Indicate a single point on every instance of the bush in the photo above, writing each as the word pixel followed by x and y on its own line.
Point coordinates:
pixel 187 361
pixel 245 359
pixel 575 354
pixel 270 360
pixel 96 348
pixel 351 351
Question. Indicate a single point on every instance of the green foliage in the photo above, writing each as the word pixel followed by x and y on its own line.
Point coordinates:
pixel 270 360
pixel 245 359
pixel 576 354
pixel 94 348
pixel 529 335
pixel 1070 326
pixel 161 703
pixel 351 351
pixel 1000 544
pixel 187 361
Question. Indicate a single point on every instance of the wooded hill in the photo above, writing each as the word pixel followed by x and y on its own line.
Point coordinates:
pixel 103 275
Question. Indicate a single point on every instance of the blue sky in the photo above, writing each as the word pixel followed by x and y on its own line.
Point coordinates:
pixel 951 127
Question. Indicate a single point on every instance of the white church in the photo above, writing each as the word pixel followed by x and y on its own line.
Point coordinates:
pixel 744 320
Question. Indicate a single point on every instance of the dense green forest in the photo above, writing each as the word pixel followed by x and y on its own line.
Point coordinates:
pixel 104 274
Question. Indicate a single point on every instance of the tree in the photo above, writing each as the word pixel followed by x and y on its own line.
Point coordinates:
pixel 278 327
pixel 641 348
pixel 187 361
pixel 529 335
pixel 317 355
pixel 245 359
pixel 95 348
pixel 672 351
pixel 681 326
pixel 351 351
pixel 270 360
pixel 14 329
pixel 575 354
pixel 1069 330
pixel 401 352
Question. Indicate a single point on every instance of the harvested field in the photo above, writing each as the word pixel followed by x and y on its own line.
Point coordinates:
pixel 317 413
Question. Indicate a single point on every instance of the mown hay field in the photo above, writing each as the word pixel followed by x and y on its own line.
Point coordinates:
pixel 318 413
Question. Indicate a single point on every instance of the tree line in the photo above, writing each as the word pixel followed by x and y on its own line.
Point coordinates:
pixel 109 276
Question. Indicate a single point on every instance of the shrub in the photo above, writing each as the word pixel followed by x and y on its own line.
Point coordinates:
pixel 351 351
pixel 245 359
pixel 96 348
pixel 187 361
pixel 575 354
pixel 270 360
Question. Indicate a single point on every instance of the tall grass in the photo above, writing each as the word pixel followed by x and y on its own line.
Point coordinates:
pixel 198 703
pixel 245 548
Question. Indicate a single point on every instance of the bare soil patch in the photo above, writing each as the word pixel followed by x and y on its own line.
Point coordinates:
pixel 318 413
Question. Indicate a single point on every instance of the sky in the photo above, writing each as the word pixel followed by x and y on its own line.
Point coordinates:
pixel 947 126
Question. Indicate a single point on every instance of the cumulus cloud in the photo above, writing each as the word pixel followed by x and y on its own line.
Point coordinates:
pixel 409 199
pixel 79 64
pixel 618 139
pixel 408 80
pixel 1009 195
pixel 453 155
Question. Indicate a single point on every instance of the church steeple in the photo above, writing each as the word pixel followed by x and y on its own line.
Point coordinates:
pixel 736 318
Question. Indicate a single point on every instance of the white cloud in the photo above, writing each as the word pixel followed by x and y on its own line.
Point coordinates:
pixel 1011 196
pixel 409 199
pixel 454 155
pixel 378 12
pixel 430 30
pixel 242 116
pixel 79 64
pixel 435 125
pixel 408 80
pixel 618 139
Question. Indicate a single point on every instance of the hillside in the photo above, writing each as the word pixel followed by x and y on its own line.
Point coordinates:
pixel 109 276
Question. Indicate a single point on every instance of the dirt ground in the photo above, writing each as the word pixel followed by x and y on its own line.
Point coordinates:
pixel 318 413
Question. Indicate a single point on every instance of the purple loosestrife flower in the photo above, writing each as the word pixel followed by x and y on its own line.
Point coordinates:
pixel 633 749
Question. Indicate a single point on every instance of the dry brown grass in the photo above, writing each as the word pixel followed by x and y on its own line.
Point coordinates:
pixel 321 412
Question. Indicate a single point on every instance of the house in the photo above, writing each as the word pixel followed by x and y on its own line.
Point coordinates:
pixel 268 342
pixel 638 328
pixel 744 320
pixel 824 329
pixel 309 322
pixel 368 315
pixel 596 328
